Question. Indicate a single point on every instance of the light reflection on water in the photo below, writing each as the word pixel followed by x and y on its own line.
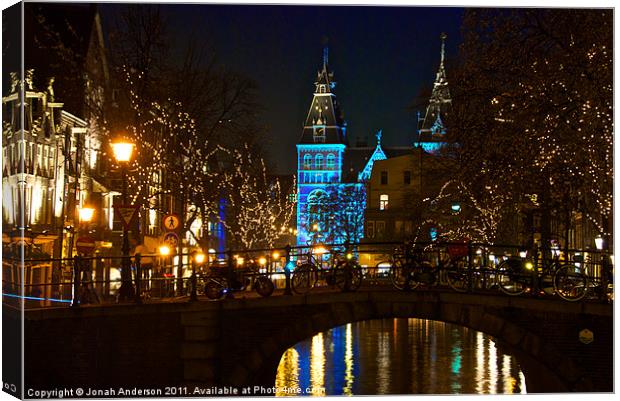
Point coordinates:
pixel 399 356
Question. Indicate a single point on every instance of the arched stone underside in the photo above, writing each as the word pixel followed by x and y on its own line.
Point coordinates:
pixel 240 341
pixel 547 367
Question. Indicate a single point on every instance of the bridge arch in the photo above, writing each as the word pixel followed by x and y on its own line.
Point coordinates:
pixel 546 368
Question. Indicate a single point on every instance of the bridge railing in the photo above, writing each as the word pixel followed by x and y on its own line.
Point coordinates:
pixel 77 281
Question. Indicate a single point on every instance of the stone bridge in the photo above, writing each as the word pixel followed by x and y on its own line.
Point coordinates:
pixel 239 342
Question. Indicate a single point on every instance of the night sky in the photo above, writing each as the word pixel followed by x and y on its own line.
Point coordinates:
pixel 381 56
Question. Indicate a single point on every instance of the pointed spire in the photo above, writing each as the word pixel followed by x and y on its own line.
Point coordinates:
pixel 443 38
pixel 440 100
pixel 379 134
pixel 325 56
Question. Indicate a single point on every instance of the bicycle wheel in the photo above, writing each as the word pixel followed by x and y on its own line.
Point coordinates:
pixel 457 278
pixel 510 282
pixel 214 289
pixel 263 286
pixel 570 283
pixel 348 276
pixel 401 276
pixel 302 280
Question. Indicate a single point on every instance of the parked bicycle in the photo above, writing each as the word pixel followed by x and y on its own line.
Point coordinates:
pixel 517 275
pixel 409 269
pixel 217 283
pixel 341 270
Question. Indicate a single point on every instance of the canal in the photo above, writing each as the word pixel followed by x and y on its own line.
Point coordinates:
pixel 399 356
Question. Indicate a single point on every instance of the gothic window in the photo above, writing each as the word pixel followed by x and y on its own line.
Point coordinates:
pixel 380 228
pixel 307 161
pixel 318 161
pixel 383 201
pixel 317 209
pixel 331 161
pixel 370 229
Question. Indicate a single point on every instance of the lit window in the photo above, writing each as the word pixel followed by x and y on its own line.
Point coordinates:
pixel 307 161
pixel 318 161
pixel 331 161
pixel 383 201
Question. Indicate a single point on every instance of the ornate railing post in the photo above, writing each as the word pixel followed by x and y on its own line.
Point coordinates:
pixel 287 271
pixel 77 281
pixel 230 274
pixel 137 260
pixel 193 296
pixel 470 267
pixel 604 272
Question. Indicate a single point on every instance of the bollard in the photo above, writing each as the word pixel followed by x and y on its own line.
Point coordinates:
pixel 77 267
pixel 138 279
pixel 287 271
pixel 470 267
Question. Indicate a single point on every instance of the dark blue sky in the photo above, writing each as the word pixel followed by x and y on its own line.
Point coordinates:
pixel 381 56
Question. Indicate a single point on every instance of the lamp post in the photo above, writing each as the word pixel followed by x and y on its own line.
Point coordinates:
pixel 197 260
pixel 122 154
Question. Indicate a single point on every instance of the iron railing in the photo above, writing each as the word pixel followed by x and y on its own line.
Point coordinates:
pixel 96 280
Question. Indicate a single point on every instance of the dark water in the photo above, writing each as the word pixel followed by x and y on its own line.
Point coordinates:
pixel 399 356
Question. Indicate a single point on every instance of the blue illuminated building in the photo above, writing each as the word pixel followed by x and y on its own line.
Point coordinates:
pixel 320 156
pixel 332 176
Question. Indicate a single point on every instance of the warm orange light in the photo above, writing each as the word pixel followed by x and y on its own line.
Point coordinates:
pixel 262 261
pixel 164 250
pixel 122 151
pixel 86 214
pixel 319 250
pixel 276 255
pixel 200 257
pixel 240 261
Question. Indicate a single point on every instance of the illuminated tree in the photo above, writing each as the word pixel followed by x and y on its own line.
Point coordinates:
pixel 259 210
pixel 532 111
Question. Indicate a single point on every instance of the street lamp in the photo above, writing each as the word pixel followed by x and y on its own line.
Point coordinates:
pixel 198 259
pixel 122 153
pixel 599 242
pixel 86 214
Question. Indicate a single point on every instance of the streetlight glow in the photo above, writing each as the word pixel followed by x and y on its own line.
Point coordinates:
pixel 122 151
pixel 262 260
pixel 86 214
pixel 598 241
pixel 200 258
pixel 164 250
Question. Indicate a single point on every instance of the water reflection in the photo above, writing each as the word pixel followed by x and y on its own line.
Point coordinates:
pixel 398 356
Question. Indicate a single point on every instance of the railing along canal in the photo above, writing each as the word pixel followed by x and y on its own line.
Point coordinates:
pixel 571 274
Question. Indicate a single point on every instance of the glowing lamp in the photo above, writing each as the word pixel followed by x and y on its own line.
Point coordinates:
pixel 86 214
pixel 349 256
pixel 599 242
pixel 200 258
pixel 315 227
pixel 319 250
pixel 262 261
pixel 164 250
pixel 122 151
pixel 240 261
pixel 276 255
pixel 522 254
pixel 529 265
